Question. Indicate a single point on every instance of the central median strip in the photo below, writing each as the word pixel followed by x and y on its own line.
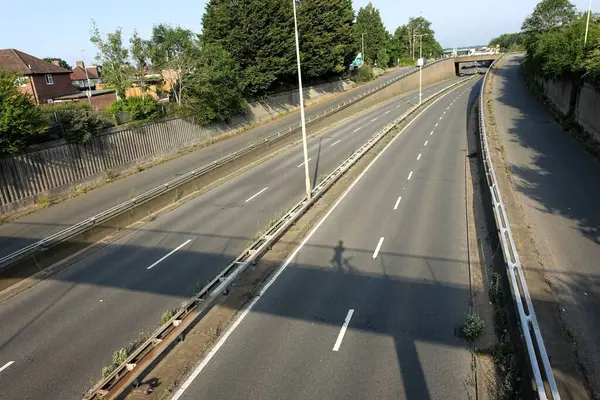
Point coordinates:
pixel 121 379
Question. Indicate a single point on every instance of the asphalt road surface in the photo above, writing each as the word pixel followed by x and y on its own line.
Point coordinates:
pixel 556 181
pixel 30 228
pixel 60 333
pixel 368 306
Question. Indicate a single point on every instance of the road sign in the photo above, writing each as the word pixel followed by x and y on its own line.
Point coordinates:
pixel 421 62
pixel 358 61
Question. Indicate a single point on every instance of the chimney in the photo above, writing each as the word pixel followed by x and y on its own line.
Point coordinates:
pixel 80 64
pixel 55 62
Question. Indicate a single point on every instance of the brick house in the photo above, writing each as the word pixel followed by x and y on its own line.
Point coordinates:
pixel 79 78
pixel 43 80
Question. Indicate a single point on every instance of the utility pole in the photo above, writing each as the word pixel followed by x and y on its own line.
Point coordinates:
pixel 587 24
pixel 302 121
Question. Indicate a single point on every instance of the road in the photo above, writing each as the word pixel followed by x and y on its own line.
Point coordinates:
pixel 556 182
pixel 61 332
pixel 30 228
pixel 368 306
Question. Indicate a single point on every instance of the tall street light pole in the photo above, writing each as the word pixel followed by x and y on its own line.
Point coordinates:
pixel 302 121
pixel 89 86
pixel 363 46
pixel 420 65
pixel 587 24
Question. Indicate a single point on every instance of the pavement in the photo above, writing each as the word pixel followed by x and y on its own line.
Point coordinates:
pixel 556 182
pixel 57 336
pixel 367 307
pixel 30 228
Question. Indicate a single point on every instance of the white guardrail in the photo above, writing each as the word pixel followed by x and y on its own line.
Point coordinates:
pixel 84 225
pixel 536 351
pixel 164 337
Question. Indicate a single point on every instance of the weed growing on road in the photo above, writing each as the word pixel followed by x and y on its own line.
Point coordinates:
pixel 121 355
pixel 167 315
pixel 80 189
pixel 215 333
pixel 473 327
pixel 45 201
pixel 109 175
pixel 503 351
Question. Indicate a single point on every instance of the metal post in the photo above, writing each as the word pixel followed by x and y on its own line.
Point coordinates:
pixel 587 24
pixel 302 121
pixel 421 65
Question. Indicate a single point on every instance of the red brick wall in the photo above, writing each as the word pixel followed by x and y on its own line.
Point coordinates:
pixel 100 102
pixel 62 86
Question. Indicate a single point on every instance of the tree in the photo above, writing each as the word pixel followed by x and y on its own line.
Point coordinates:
pixel 114 59
pixel 174 50
pixel 508 41
pixel 259 35
pixel 368 21
pixel 421 26
pixel 325 31
pixel 61 62
pixel 549 14
pixel 383 58
pixel 140 56
pixel 214 90
pixel 20 119
pixel 400 44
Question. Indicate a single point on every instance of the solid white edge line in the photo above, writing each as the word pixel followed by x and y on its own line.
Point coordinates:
pixel 340 337
pixel 282 268
pixel 397 203
pixel 256 194
pixel 8 364
pixel 409 176
pixel 376 252
pixel 171 252
pixel 303 163
pixel 334 143
pixel 419 157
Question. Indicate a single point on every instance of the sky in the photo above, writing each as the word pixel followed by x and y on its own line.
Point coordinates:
pixel 61 29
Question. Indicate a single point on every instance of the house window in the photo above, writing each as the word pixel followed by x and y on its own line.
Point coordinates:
pixel 49 80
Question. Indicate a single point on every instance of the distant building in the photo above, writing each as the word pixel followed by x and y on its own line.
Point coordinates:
pixel 81 74
pixel 43 80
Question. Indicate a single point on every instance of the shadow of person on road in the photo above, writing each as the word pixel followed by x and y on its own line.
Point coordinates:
pixel 339 263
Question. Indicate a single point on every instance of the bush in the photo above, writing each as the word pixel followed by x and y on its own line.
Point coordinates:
pixel 78 126
pixel 20 120
pixel 364 74
pixel 473 328
pixel 139 108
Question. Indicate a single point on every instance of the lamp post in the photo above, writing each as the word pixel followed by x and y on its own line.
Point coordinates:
pixel 421 64
pixel 88 92
pixel 302 121
pixel 587 24
pixel 363 46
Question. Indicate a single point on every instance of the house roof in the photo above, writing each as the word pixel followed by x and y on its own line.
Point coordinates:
pixel 78 74
pixel 92 72
pixel 23 63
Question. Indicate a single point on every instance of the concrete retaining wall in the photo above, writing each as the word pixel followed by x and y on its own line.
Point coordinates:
pixel 587 113
pixel 586 109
